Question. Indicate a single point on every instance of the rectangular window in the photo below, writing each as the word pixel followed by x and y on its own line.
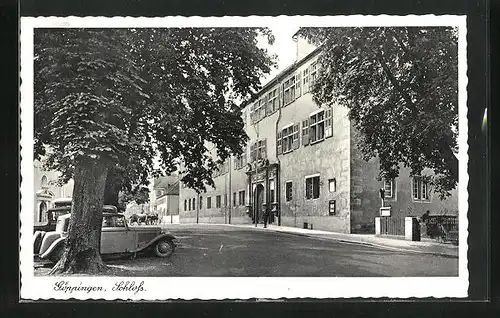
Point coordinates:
pixel 389 191
pixel 420 189
pixel 317 127
pixel 332 185
pixel 217 201
pixel 189 204
pixel 234 198
pixel 194 204
pixel 209 202
pixel 201 203
pixel 241 195
pixel 273 101
pixel 289 90
pixel 225 200
pixel 290 138
pixel 312 187
pixel 287 139
pixel 288 191
pixel 258 110
pixel 185 205
pixel 258 150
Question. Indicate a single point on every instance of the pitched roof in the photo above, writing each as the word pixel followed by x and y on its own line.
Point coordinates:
pixel 165 182
pixel 172 190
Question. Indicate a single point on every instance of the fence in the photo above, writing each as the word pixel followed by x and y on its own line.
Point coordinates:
pixel 440 227
pixel 392 226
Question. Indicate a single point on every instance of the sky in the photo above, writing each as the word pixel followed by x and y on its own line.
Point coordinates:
pixel 283 47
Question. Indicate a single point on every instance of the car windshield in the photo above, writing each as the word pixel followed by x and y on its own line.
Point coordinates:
pixel 62 225
pixel 113 221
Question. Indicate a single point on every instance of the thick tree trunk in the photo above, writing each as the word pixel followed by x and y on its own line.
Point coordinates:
pixel 82 246
pixel 112 189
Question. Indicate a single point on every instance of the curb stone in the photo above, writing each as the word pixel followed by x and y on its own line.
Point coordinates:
pixel 391 248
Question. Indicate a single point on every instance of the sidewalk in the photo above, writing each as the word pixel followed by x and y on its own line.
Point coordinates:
pixel 396 244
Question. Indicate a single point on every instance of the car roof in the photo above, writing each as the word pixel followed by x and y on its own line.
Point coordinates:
pixel 105 208
pixel 65 216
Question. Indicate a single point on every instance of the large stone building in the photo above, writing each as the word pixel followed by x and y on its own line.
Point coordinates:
pixel 303 164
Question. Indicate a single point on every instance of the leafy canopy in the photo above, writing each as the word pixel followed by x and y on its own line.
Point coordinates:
pixel 400 85
pixel 121 96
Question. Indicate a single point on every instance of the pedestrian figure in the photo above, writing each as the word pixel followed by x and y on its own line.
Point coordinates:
pixel 266 217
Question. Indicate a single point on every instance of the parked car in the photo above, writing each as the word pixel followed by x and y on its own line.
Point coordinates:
pixel 116 238
pixel 61 207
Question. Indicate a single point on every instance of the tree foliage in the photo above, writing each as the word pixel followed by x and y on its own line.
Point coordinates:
pixel 122 95
pixel 108 100
pixel 400 85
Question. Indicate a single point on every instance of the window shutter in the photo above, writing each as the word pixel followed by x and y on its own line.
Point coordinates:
pixel 305 132
pixel 298 80
pixel 269 106
pixel 305 81
pixel 252 152
pixel 328 123
pixel 280 95
pixel 295 136
pixel 279 148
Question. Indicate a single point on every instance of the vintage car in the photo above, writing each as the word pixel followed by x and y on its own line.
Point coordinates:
pixel 116 238
pixel 61 207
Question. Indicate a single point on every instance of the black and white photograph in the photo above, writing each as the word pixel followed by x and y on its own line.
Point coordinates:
pixel 243 157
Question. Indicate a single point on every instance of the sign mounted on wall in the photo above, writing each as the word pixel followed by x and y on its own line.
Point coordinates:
pixel 385 211
pixel 332 207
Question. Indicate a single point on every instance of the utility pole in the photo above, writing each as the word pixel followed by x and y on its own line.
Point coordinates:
pixel 198 210
pixel 256 166
pixel 230 191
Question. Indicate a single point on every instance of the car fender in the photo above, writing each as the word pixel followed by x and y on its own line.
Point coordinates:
pixel 58 242
pixel 37 241
pixel 153 241
pixel 47 240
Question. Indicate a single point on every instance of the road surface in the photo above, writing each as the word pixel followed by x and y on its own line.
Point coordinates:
pixel 218 250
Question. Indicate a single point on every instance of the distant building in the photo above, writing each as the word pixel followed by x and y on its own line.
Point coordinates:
pixel 46 190
pixel 164 198
pixel 303 165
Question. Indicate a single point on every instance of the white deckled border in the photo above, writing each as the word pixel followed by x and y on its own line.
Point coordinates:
pixel 234 287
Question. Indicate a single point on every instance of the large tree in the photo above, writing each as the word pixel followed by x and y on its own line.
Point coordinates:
pixel 400 85
pixel 110 99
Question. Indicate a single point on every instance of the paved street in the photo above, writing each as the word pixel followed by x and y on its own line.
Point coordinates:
pixel 218 250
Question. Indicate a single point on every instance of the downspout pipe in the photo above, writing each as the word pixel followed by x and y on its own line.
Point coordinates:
pixel 278 169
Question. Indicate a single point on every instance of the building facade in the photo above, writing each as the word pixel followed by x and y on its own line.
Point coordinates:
pixel 46 190
pixel 164 198
pixel 303 165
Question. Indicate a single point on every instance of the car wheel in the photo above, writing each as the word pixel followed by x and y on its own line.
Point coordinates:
pixel 164 248
pixel 56 254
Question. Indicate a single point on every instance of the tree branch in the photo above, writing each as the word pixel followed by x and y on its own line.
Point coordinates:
pixel 395 83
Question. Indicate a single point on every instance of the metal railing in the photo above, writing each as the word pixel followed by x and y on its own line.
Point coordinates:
pixel 443 228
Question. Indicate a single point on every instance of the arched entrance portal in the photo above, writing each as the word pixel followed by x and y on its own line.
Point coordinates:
pixel 259 202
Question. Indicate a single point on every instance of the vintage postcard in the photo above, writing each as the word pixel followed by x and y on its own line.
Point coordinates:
pixel 243 157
